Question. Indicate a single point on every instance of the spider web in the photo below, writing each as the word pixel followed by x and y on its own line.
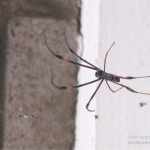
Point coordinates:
pixel 33 113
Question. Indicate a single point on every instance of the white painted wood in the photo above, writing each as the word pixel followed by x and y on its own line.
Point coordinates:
pixel 127 22
pixel 121 120
pixel 85 121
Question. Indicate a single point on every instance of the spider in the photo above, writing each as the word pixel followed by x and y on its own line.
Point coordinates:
pixel 102 75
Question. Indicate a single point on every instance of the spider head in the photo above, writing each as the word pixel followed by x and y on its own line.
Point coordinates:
pixel 99 73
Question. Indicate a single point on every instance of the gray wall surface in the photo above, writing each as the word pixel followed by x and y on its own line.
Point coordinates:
pixel 27 67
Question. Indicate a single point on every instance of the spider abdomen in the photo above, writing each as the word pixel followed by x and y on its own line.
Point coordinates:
pixel 107 76
pixel 111 77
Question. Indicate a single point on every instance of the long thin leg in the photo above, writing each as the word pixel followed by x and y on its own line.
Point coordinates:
pixel 129 77
pixel 87 105
pixel 111 88
pixel 60 57
pixel 107 54
pixel 77 86
pixel 131 90
pixel 77 54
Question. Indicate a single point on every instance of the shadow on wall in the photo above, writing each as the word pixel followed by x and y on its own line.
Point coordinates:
pixel 56 9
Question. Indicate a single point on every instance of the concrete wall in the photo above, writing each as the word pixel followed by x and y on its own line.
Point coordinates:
pixel 27 67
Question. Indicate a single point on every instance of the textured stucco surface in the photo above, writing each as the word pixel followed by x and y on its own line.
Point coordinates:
pixel 28 89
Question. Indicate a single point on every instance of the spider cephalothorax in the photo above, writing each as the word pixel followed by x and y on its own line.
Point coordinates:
pixel 99 73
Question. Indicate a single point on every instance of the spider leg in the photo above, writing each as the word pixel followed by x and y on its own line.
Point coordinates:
pixel 131 90
pixel 129 77
pixel 60 57
pixel 77 86
pixel 107 54
pixel 76 53
pixel 87 105
pixel 111 88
